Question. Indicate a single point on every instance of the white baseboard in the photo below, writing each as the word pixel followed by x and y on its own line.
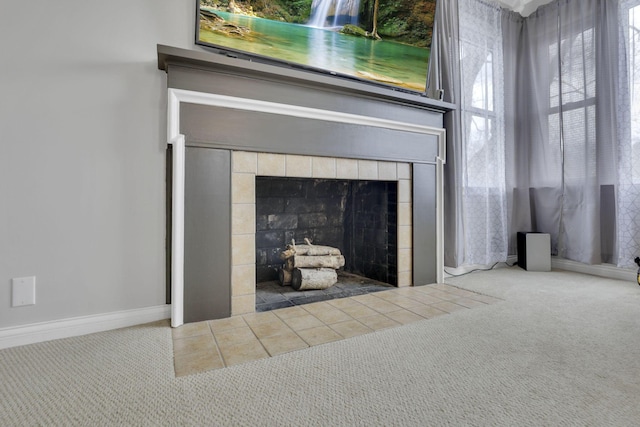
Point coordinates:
pixel 75 326
pixel 609 271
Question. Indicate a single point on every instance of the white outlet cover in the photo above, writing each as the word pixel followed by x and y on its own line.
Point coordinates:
pixel 23 291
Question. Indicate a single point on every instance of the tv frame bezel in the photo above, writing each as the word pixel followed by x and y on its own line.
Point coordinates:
pixel 254 57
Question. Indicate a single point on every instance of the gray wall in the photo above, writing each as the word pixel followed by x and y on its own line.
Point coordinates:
pixel 82 139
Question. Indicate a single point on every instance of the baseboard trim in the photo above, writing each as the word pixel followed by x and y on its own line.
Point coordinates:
pixel 75 326
pixel 609 271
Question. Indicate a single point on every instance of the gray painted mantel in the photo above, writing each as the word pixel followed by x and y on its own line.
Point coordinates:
pixel 219 104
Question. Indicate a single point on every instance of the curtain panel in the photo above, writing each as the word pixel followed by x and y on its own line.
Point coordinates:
pixel 628 119
pixel 471 60
pixel 447 51
pixel 569 55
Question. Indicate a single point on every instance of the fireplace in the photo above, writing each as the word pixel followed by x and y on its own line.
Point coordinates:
pixel 258 181
pixel 234 125
pixel 253 171
pixel 357 217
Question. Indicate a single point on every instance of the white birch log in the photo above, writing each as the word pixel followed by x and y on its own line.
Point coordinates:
pixel 309 250
pixel 322 261
pixel 313 278
pixel 285 277
pixel 313 250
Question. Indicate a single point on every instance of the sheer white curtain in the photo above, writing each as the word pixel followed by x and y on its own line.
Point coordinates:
pixel 483 156
pixel 470 40
pixel 629 133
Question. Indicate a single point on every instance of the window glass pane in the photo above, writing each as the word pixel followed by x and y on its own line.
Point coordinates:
pixel 578 67
pixel 554 128
pixel 484 153
pixel 554 90
pixel 580 145
pixel 479 134
pixel 482 95
pixel 578 75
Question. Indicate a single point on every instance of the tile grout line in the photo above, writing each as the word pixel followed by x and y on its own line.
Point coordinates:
pixel 215 340
pixel 217 349
pixel 258 338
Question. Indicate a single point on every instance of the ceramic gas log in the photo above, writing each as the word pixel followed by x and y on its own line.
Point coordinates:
pixel 309 266
pixel 303 279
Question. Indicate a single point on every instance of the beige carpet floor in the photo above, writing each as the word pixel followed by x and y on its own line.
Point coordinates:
pixel 561 349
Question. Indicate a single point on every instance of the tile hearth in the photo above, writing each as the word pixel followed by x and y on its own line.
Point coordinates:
pixel 271 295
pixel 203 346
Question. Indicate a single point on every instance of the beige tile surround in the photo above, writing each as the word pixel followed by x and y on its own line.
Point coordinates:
pixel 247 165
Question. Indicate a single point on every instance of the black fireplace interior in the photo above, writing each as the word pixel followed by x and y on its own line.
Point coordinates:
pixel 358 217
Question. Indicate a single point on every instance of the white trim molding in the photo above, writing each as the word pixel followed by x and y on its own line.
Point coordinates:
pixel 175 138
pixel 75 326
pixel 177 232
pixel 609 271
pixel 440 216
pixel 176 96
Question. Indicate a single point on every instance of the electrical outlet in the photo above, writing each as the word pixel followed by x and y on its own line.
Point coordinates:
pixel 24 291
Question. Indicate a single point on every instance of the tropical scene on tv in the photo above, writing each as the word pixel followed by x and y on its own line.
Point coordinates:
pixel 386 41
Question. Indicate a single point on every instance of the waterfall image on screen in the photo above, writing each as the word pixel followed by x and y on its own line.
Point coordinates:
pixel 378 41
pixel 333 13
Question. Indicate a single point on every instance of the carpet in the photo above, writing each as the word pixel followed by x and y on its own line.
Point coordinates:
pixel 561 349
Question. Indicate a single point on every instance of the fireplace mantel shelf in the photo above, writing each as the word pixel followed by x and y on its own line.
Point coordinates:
pixel 219 62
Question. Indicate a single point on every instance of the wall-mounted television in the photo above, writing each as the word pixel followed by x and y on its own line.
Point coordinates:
pixel 382 42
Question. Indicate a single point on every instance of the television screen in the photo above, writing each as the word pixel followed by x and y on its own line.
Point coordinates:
pixel 386 42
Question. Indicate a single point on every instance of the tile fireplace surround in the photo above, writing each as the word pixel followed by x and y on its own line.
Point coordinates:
pixel 247 165
pixel 230 120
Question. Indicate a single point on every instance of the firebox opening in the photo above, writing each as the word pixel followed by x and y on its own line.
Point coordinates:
pixel 356 216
